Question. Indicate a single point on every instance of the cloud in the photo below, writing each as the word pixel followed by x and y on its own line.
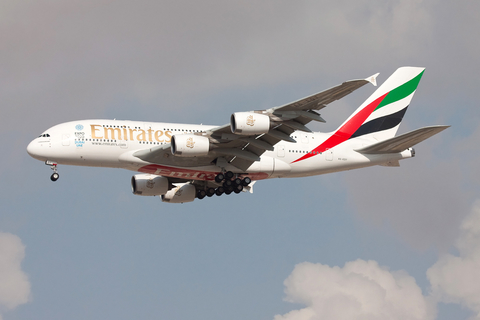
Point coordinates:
pixel 456 278
pixel 14 284
pixel 359 290
pixel 365 290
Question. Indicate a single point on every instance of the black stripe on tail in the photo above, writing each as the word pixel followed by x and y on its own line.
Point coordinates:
pixel 380 124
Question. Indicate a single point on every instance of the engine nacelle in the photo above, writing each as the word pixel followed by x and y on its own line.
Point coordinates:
pixel 189 145
pixel 149 185
pixel 248 123
pixel 180 194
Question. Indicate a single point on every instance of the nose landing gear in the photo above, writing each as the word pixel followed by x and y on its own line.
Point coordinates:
pixel 54 176
pixel 53 166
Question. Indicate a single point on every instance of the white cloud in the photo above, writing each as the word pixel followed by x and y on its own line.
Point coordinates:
pixel 14 284
pixel 359 290
pixel 456 279
pixel 365 290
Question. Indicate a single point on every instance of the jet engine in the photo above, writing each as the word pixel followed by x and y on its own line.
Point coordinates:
pixel 180 194
pixel 189 145
pixel 249 123
pixel 149 185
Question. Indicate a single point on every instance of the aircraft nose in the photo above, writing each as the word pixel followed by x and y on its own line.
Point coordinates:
pixel 34 149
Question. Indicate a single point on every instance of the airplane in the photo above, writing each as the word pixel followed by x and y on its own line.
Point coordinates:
pixel 184 162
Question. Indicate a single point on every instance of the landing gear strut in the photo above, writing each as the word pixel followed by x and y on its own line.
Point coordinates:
pixel 53 166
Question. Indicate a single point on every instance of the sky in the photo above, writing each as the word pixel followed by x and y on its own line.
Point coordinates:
pixel 375 243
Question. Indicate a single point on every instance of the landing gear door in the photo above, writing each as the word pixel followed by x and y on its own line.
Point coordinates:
pixel 281 151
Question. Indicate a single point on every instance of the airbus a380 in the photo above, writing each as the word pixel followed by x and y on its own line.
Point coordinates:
pixel 182 162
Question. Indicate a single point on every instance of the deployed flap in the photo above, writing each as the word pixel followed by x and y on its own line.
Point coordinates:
pixel 402 142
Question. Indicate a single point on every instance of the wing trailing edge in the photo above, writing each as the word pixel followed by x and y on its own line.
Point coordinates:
pixel 402 142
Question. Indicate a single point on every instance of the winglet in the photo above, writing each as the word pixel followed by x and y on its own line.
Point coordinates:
pixel 373 79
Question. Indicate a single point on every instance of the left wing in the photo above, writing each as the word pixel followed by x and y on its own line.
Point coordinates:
pixel 250 134
pixel 402 142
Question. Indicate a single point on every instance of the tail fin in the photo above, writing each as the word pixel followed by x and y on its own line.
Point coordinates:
pixel 380 115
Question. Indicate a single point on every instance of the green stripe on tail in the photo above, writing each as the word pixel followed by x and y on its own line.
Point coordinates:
pixel 402 91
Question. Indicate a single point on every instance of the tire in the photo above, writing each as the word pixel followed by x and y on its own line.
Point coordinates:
pixel 54 176
pixel 227 184
pixel 210 192
pixel 237 181
pixel 246 181
pixel 201 194
pixel 219 177
pixel 238 188
pixel 219 191
pixel 228 175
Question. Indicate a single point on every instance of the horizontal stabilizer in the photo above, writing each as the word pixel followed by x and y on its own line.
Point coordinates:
pixel 402 142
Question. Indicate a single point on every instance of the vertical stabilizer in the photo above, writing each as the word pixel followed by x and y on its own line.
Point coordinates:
pixel 380 115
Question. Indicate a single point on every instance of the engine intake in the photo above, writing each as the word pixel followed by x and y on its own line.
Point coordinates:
pixel 149 185
pixel 190 145
pixel 249 123
pixel 180 194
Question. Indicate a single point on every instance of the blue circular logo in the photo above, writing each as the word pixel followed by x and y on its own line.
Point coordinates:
pixel 79 127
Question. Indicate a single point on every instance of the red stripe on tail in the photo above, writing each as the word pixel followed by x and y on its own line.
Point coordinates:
pixel 346 131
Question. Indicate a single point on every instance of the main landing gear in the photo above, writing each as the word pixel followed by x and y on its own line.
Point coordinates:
pixel 229 185
pixel 53 166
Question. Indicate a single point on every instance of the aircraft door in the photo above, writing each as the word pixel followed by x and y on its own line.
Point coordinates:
pixel 304 137
pixel 328 155
pixel 65 139
pixel 149 133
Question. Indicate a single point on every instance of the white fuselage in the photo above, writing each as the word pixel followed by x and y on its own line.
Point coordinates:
pixel 112 143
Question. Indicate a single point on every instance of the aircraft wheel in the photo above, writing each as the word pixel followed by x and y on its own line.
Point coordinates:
pixel 210 192
pixel 246 181
pixel 219 191
pixel 227 184
pixel 227 192
pixel 238 189
pixel 228 175
pixel 54 176
pixel 201 194
pixel 237 181
pixel 219 178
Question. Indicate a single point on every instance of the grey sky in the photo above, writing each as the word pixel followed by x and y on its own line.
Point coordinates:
pixel 93 250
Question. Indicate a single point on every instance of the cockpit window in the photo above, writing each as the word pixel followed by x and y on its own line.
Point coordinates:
pixel 45 135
